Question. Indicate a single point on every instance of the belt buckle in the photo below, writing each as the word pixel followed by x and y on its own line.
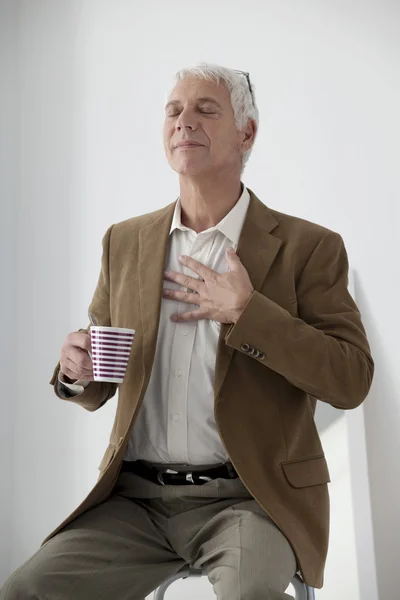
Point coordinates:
pixel 188 476
pixel 161 473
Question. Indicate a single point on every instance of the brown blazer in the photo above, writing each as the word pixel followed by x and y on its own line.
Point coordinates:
pixel 300 338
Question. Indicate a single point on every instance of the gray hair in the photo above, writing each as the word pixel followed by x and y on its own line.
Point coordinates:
pixel 243 104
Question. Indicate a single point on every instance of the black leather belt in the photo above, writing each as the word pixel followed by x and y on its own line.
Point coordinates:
pixel 167 476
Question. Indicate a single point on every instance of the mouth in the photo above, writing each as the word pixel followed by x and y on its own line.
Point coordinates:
pixel 187 145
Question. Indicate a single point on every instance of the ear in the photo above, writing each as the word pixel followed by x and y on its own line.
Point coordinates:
pixel 249 135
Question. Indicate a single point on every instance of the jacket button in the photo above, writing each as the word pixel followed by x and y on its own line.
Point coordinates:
pixel 245 347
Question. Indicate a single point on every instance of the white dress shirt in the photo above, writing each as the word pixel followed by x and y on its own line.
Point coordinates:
pixel 175 423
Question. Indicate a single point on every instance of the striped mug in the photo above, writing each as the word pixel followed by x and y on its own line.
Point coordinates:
pixel 111 347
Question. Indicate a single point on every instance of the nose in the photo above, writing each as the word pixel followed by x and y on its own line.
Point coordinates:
pixel 186 120
pixel 180 126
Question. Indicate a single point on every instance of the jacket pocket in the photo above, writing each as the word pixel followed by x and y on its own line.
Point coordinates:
pixel 305 472
pixel 107 458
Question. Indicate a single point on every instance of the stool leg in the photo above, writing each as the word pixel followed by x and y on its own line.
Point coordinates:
pixel 310 593
pixel 186 571
pixel 159 593
pixel 300 589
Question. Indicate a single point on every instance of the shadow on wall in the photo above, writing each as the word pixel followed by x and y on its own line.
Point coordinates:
pixel 355 467
pixel 326 415
pixel 381 426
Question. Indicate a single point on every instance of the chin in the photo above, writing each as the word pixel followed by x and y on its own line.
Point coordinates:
pixel 189 169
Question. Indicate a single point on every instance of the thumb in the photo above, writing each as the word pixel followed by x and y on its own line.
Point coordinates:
pixel 233 259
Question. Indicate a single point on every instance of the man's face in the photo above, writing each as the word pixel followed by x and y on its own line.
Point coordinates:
pixel 200 111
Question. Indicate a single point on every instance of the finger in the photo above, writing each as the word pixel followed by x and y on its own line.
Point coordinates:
pixel 82 359
pixel 194 315
pixel 81 365
pixel 75 374
pixel 68 374
pixel 79 372
pixel 184 280
pixel 196 266
pixel 234 262
pixel 80 340
pixel 181 296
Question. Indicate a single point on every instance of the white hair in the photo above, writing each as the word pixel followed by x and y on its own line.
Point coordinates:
pixel 242 100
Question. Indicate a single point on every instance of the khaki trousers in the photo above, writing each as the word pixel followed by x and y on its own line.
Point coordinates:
pixel 128 545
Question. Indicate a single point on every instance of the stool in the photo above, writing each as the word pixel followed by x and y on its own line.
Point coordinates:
pixel 302 591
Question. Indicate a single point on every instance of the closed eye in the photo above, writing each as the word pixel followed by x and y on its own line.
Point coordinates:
pixel 204 112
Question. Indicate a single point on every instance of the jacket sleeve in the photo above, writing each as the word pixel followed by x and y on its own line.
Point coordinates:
pixel 324 351
pixel 96 393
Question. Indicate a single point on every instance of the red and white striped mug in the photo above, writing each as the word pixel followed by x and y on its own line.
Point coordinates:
pixel 111 348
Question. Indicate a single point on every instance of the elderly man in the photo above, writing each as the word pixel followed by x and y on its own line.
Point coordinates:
pixel 243 320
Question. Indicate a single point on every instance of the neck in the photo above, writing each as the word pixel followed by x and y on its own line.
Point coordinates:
pixel 204 203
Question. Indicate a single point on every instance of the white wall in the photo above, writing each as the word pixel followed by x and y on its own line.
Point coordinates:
pixel 8 260
pixel 92 80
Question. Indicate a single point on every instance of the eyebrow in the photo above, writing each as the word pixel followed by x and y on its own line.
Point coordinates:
pixel 201 100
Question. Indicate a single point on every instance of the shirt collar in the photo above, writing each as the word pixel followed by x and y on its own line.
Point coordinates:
pixel 231 225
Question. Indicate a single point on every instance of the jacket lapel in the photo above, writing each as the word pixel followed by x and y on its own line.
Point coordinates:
pixel 153 245
pixel 257 250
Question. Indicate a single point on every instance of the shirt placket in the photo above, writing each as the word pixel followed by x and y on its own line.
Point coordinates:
pixel 182 349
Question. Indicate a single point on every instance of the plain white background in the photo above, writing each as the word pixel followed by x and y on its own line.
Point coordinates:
pixel 82 90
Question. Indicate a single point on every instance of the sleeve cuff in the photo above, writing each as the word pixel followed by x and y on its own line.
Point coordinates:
pixel 77 387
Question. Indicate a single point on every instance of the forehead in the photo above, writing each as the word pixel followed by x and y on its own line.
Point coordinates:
pixel 191 89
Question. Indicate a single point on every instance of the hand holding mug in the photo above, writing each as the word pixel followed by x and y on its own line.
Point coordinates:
pixel 75 360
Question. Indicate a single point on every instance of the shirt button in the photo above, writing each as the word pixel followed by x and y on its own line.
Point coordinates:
pixel 178 373
pixel 175 417
pixel 185 332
